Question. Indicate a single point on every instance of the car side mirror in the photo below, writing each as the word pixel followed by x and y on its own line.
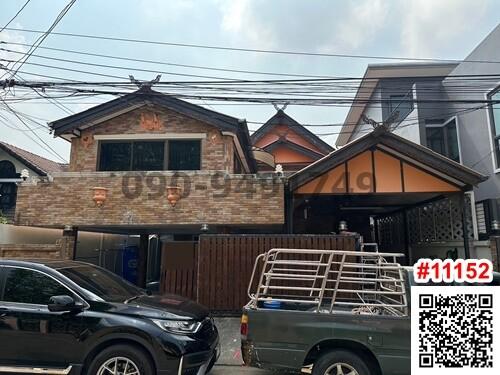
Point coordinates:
pixel 63 304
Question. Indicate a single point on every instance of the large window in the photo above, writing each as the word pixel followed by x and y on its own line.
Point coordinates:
pixel 27 286
pixel 184 155
pixel 402 104
pixel 150 155
pixel 495 124
pixel 443 138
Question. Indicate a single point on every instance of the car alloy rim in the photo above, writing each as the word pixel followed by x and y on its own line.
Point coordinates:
pixel 118 366
pixel 340 368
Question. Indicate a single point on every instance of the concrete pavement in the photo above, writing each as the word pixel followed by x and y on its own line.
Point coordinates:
pixel 230 361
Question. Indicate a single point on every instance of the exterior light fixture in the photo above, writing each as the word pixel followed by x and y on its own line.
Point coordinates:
pixel 173 195
pixel 100 196
pixel 204 228
pixel 495 225
pixel 343 226
pixel 25 174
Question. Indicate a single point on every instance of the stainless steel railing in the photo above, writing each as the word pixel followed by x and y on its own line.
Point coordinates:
pixel 330 281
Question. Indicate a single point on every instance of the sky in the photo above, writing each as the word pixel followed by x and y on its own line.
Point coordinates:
pixel 444 29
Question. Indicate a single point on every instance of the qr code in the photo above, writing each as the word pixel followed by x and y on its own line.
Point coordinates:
pixel 455 328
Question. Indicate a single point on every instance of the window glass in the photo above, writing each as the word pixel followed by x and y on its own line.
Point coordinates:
pixel 443 139
pixel 452 141
pixel 402 104
pixel 102 283
pixel 496 113
pixel 27 286
pixel 435 139
pixel 148 156
pixel 184 155
pixel 115 156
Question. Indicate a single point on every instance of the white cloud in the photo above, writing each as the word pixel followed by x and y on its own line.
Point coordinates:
pixel 7 37
pixel 361 23
pixel 303 25
pixel 430 25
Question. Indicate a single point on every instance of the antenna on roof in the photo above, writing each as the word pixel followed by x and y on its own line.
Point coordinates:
pixel 144 84
pixel 283 107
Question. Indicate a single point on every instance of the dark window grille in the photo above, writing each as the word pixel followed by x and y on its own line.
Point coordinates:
pixel 184 155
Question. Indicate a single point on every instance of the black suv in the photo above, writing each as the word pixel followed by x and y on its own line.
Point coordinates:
pixel 64 317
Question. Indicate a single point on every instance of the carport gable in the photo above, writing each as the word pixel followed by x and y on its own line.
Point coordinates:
pixel 382 162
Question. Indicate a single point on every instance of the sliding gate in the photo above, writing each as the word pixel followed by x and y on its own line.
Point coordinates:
pixel 217 271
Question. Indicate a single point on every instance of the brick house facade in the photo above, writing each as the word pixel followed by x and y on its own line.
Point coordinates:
pixel 206 154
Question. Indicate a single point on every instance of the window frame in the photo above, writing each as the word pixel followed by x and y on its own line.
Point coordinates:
pixel 444 129
pixel 409 96
pixel 131 162
pixel 3 280
pixel 166 150
pixel 492 131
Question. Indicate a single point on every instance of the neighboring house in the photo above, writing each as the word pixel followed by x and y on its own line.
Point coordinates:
pixel 466 131
pixel 13 161
pixel 292 145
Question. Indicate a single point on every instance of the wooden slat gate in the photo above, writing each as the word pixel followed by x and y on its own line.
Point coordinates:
pixel 219 273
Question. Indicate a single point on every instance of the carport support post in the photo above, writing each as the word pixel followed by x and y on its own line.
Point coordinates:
pixel 142 260
pixel 462 204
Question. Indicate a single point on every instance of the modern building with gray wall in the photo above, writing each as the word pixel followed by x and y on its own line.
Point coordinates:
pixel 452 108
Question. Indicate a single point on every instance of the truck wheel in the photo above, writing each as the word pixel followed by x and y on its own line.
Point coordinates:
pixel 121 359
pixel 340 362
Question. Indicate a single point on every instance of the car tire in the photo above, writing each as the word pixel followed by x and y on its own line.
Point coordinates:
pixel 328 364
pixel 211 364
pixel 119 355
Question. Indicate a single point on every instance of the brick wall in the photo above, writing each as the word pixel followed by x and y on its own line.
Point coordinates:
pixel 217 149
pixel 30 251
pixel 139 199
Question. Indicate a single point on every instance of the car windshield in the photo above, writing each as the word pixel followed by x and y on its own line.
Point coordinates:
pixel 101 283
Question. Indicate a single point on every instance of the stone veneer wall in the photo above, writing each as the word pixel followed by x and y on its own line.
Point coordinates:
pixel 217 150
pixel 31 251
pixel 136 198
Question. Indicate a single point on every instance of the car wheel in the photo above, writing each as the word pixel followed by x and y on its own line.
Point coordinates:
pixel 121 360
pixel 340 362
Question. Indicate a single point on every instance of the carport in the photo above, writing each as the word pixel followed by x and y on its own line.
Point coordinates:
pixel 391 191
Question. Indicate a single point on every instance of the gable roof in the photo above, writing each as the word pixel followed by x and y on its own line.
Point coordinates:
pixel 72 125
pixel 281 118
pixel 380 137
pixel 295 147
pixel 37 163
pixel 373 75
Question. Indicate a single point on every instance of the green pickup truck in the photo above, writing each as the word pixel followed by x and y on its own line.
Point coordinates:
pixel 328 313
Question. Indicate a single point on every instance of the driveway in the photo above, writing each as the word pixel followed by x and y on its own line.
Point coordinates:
pixel 230 361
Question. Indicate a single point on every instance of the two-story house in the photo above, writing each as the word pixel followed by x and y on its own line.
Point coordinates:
pixel 147 163
pixel 450 108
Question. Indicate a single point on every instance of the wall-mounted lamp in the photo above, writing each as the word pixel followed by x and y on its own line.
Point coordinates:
pixel 100 196
pixel 25 174
pixel 173 194
pixel 204 228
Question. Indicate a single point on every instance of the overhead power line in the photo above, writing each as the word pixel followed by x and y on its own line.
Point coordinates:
pixel 42 37
pixel 15 15
pixel 253 50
